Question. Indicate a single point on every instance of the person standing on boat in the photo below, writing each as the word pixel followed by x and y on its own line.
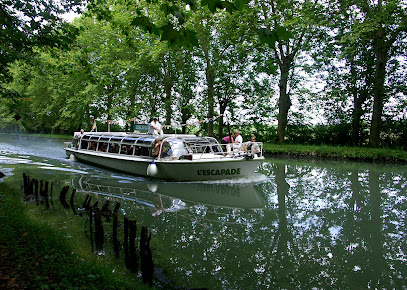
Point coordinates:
pixel 238 140
pixel 156 127
pixel 238 137
pixel 227 139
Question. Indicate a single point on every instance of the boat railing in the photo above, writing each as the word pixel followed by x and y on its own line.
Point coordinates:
pixel 68 145
pixel 211 150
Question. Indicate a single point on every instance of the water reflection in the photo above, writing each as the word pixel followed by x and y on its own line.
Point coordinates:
pixel 172 196
pixel 309 224
pixel 337 225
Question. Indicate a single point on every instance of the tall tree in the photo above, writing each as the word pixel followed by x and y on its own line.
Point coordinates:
pixel 370 35
pixel 287 27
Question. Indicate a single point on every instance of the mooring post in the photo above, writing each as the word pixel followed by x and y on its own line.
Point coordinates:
pixel 90 213
pixel 51 197
pixel 71 201
pixel 106 212
pixel 126 242
pixel 41 190
pixel 26 183
pixel 36 196
pixel 62 197
pixel 99 231
pixel 133 264
pixel 147 265
pixel 45 194
pixel 116 244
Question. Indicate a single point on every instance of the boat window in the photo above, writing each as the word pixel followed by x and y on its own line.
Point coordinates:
pixel 102 146
pixel 126 149
pixel 92 145
pixel 129 140
pixel 104 139
pixel 203 145
pixel 114 147
pixel 145 141
pixel 84 142
pixel 145 151
pixel 175 147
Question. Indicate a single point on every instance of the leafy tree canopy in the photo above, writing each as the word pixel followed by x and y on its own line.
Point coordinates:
pixel 25 24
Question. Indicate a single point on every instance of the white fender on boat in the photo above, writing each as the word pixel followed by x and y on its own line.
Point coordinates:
pixel 72 157
pixel 152 169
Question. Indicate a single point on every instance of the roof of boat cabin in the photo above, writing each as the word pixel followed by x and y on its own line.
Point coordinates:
pixel 133 135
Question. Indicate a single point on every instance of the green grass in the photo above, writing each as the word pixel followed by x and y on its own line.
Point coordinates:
pixel 338 152
pixel 36 257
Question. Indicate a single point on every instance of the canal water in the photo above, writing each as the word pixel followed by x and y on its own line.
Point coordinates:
pixel 296 224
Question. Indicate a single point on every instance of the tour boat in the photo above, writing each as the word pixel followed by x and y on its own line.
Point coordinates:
pixel 169 156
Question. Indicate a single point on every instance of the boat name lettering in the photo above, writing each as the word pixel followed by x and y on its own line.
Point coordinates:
pixel 234 171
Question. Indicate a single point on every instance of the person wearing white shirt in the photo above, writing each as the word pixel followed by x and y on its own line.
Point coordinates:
pixel 237 143
pixel 156 127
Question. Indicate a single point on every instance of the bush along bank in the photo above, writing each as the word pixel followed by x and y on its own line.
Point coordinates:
pixel 337 153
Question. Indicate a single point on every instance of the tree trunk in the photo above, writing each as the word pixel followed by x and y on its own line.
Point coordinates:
pixel 168 83
pixel 356 116
pixel 284 104
pixel 210 78
pixel 222 109
pixel 378 92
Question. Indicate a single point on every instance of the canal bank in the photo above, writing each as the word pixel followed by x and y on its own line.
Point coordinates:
pixel 33 256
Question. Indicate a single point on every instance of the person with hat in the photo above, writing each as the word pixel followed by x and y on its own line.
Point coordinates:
pixel 156 127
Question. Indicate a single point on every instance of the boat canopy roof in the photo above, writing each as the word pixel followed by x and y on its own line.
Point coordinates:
pixel 142 139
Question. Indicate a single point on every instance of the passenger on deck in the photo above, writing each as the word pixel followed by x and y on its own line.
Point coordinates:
pixel 251 146
pixel 236 144
pixel 156 128
pixel 227 139
pixel 157 145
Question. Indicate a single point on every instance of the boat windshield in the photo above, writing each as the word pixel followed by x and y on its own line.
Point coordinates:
pixel 203 145
pixel 178 147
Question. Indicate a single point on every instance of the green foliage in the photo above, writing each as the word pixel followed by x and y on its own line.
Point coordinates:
pixel 337 152
pixel 27 25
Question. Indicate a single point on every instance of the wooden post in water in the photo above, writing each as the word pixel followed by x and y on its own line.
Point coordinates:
pixel 71 201
pixel 126 242
pixel 36 197
pixel 26 183
pixel 133 264
pixel 99 231
pixel 86 201
pixel 90 213
pixel 147 265
pixel 106 212
pixel 44 194
pixel 41 190
pixel 116 244
pixel 62 197
pixel 51 197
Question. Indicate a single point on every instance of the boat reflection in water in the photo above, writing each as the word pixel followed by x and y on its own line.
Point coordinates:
pixel 160 196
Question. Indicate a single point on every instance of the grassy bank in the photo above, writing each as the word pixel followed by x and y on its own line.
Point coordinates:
pixel 341 153
pixel 36 257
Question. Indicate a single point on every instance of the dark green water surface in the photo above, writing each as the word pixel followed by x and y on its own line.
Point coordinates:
pixel 296 224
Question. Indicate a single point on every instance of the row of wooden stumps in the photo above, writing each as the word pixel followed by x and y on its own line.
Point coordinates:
pixel 39 191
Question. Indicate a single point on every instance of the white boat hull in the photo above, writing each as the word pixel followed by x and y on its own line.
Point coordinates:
pixel 179 170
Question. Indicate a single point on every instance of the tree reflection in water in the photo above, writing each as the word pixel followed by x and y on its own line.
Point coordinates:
pixel 308 225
